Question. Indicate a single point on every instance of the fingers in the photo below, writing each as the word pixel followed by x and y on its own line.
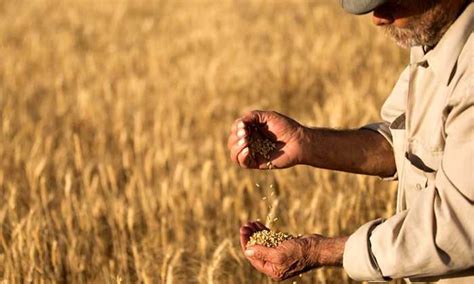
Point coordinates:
pixel 260 226
pixel 238 144
pixel 262 258
pixel 249 118
pixel 262 266
pixel 247 230
pixel 269 261
pixel 239 152
pixel 257 251
pixel 266 254
pixel 245 233
pixel 254 116
pixel 252 226
pixel 236 133
pixel 244 159
pixel 257 226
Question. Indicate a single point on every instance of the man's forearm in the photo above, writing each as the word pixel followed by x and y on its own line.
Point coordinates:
pixel 323 251
pixel 331 251
pixel 356 151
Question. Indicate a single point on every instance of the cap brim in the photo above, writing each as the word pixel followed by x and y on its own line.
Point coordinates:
pixel 360 7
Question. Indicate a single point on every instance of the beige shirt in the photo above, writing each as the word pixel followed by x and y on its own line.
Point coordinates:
pixel 429 120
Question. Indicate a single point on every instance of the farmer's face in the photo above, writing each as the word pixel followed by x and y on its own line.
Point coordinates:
pixel 416 22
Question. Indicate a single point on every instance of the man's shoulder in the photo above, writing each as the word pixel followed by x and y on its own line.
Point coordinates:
pixel 461 81
pixel 465 59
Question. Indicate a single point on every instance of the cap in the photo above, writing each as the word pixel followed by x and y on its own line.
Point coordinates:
pixel 360 7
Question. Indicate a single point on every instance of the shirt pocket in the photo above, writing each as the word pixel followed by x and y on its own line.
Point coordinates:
pixel 422 164
pixel 414 182
pixel 423 159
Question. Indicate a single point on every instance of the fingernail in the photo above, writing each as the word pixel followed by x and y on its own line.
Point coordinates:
pixel 241 124
pixel 241 142
pixel 241 133
pixel 249 253
pixel 245 150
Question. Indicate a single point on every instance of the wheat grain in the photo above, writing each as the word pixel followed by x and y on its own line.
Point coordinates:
pixel 261 145
pixel 268 238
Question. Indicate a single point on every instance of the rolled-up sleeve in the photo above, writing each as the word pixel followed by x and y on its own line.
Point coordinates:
pixel 434 237
pixel 383 128
pixel 358 259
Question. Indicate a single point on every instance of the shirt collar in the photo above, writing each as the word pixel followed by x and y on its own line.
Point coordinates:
pixel 443 57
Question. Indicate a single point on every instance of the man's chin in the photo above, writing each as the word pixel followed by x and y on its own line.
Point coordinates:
pixel 401 37
pixel 403 43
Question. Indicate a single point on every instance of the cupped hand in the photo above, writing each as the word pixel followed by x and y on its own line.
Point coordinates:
pixel 288 259
pixel 284 132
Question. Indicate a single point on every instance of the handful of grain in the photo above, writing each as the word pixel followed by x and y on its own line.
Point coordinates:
pixel 260 144
pixel 268 238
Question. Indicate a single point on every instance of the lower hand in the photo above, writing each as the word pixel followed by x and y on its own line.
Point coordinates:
pixel 290 258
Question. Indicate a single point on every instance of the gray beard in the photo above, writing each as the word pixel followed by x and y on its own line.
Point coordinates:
pixel 425 30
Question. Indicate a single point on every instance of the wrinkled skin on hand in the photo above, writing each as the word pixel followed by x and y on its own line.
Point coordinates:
pixel 285 132
pixel 289 259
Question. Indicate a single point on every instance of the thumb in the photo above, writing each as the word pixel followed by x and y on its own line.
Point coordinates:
pixel 264 253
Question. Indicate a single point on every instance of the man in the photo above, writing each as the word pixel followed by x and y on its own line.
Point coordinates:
pixel 426 141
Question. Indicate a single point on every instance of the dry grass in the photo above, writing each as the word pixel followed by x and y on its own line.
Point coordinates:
pixel 113 123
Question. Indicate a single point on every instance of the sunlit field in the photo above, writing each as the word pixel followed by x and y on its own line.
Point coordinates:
pixel 114 118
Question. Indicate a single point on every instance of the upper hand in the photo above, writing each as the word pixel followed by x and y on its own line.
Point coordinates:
pixel 285 132
pixel 290 258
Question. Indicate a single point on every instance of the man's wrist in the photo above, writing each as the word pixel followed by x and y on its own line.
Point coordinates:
pixel 328 251
pixel 306 141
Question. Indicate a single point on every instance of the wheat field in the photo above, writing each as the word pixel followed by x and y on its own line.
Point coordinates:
pixel 114 116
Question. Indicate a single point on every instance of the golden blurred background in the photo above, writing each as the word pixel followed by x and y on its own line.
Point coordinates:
pixel 114 116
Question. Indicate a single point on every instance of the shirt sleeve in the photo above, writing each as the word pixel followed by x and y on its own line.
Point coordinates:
pixel 383 128
pixel 435 236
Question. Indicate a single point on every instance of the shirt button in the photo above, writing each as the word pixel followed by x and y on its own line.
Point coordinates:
pixel 418 186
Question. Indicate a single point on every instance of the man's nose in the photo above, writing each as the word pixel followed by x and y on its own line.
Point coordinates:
pixel 382 17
